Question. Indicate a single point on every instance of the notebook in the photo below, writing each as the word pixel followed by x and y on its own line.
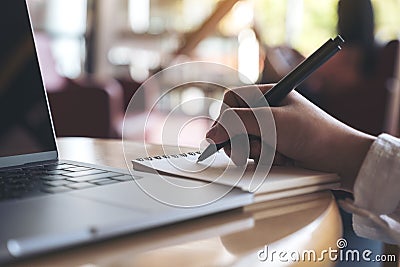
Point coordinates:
pixel 266 183
pixel 47 203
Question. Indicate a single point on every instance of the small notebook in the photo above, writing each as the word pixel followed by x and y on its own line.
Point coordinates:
pixel 267 183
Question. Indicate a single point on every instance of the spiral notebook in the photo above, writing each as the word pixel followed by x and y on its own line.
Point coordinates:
pixel 267 183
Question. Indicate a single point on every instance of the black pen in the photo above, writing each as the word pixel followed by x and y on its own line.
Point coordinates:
pixel 288 83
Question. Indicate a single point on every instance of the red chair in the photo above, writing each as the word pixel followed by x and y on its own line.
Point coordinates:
pixel 89 108
pixel 364 106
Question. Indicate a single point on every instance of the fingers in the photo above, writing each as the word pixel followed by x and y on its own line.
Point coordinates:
pixel 247 96
pixel 235 121
pixel 244 97
pixel 254 154
pixel 237 118
pixel 247 120
pixel 240 97
pixel 236 124
pixel 240 159
pixel 239 150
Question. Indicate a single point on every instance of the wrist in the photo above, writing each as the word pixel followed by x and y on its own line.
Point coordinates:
pixel 352 154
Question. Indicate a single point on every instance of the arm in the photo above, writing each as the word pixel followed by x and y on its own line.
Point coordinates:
pixel 369 166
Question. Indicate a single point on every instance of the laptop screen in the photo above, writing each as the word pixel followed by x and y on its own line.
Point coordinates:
pixel 25 124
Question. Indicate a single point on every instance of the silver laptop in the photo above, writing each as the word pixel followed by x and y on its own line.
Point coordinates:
pixel 48 204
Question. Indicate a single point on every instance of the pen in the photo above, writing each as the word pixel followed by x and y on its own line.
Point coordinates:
pixel 277 93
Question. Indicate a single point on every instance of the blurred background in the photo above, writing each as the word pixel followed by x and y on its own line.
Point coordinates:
pixel 96 53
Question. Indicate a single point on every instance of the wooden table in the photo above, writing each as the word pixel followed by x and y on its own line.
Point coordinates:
pixel 233 238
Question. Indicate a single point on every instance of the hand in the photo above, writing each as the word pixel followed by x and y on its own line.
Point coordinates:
pixel 305 134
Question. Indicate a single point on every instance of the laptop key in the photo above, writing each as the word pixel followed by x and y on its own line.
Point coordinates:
pixel 94 177
pixel 56 172
pixel 58 189
pixel 57 183
pixel 124 178
pixel 53 177
pixel 83 173
pixel 59 167
pixel 103 181
pixel 77 169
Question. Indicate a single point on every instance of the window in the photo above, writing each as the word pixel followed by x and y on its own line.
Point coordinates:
pixel 153 30
pixel 305 24
pixel 64 22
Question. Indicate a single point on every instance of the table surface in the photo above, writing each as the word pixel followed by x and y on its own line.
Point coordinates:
pixel 233 238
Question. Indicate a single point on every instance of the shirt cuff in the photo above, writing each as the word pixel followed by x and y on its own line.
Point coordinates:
pixel 377 186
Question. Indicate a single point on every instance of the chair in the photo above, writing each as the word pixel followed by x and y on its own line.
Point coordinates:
pixel 89 108
pixel 364 105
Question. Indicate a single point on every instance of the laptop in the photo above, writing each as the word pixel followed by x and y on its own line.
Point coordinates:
pixel 48 204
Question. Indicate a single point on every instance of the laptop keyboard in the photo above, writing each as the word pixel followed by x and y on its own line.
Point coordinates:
pixel 54 178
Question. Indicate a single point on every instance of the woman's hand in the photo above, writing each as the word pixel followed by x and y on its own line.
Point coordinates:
pixel 305 134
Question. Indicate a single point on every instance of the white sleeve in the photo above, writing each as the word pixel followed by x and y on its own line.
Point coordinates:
pixel 377 190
